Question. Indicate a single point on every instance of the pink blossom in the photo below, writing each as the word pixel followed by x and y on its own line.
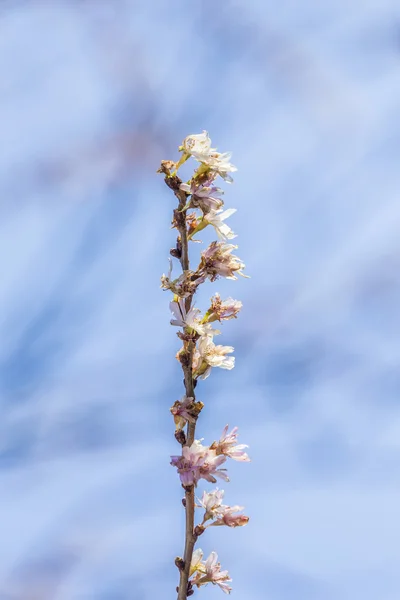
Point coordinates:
pixel 227 447
pixel 182 410
pixel 210 572
pixel 226 516
pixel 223 514
pixel 217 261
pixel 209 470
pixel 199 462
pixel 223 310
pixel 204 197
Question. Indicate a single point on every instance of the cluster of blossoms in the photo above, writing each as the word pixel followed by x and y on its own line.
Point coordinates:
pixel 213 163
pixel 201 205
pixel 202 462
pixel 208 572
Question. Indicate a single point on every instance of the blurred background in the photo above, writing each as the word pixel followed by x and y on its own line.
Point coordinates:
pixel 93 95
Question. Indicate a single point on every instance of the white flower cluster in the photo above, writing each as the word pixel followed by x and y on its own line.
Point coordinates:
pixel 216 261
pixel 204 194
pixel 199 146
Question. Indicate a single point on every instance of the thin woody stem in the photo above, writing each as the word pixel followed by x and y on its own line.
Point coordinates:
pixel 174 182
pixel 190 537
pixel 184 240
pixel 185 244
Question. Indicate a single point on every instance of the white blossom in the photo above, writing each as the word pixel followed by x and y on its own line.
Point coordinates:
pixel 216 218
pixel 220 163
pixel 196 563
pixel 208 355
pixel 210 572
pixel 186 319
pixel 211 502
pixel 199 146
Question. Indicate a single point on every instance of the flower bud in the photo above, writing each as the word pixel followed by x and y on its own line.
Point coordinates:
pixel 180 563
pixel 198 530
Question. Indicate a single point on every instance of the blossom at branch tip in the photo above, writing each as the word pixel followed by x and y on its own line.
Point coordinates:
pixel 227 445
pixel 223 310
pixel 210 572
pixel 217 261
pixel 199 462
pixel 185 410
pixel 207 355
pixel 199 146
pixel 204 197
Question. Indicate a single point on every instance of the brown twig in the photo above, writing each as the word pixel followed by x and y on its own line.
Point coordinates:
pixel 173 182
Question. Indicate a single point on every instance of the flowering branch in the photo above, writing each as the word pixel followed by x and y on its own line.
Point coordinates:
pixel 199 354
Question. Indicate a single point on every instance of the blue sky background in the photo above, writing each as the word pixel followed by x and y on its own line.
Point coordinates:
pixel 92 97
